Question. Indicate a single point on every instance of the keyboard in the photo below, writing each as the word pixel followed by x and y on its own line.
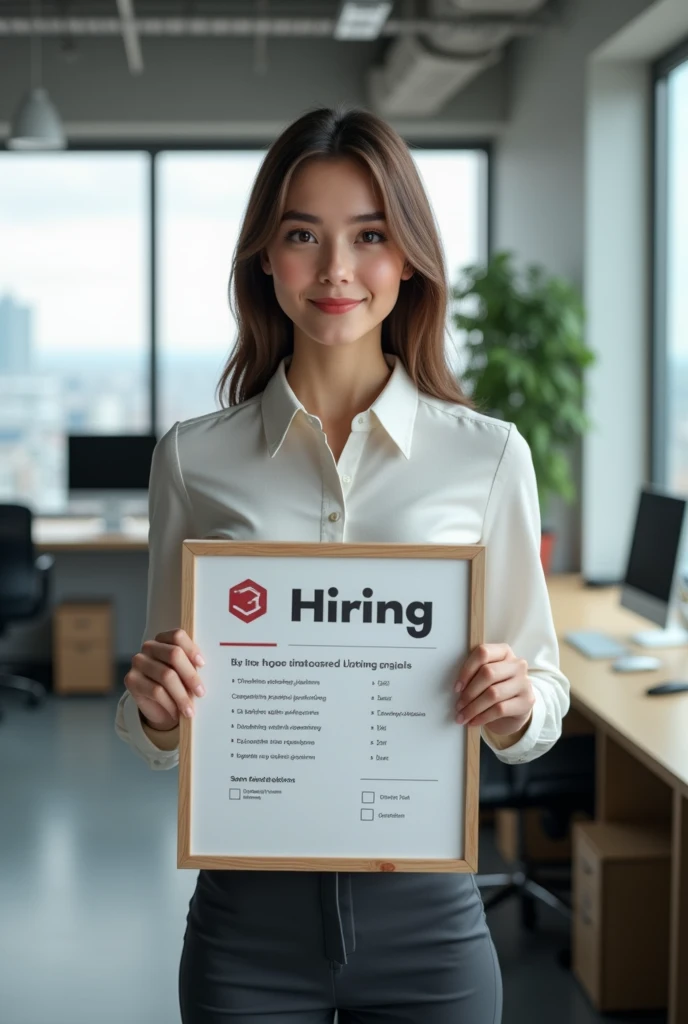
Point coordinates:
pixel 595 645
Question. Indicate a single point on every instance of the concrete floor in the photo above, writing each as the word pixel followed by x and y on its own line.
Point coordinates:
pixel 93 908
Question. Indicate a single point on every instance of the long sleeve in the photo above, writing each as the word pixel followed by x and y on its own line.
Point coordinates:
pixel 169 513
pixel 517 606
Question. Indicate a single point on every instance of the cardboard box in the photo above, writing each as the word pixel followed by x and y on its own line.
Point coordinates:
pixel 537 845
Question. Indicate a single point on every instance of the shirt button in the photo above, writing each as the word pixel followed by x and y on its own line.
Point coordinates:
pixel 361 419
pixel 333 517
pixel 346 479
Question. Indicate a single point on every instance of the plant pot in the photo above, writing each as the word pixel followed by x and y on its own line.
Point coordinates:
pixel 547 543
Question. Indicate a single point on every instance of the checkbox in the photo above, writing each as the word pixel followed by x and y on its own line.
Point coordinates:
pixel 366 813
pixel 367 797
pixel 235 794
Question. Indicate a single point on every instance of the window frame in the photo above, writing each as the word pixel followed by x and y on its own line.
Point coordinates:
pixel 661 69
pixel 154 150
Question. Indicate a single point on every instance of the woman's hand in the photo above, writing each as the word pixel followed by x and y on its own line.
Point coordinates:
pixel 495 690
pixel 163 676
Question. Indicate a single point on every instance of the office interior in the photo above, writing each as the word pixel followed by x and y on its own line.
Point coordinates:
pixel 554 130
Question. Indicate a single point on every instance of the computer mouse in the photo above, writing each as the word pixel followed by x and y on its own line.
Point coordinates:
pixel 668 687
pixel 636 663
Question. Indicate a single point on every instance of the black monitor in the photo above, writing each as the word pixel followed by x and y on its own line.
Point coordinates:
pixel 656 567
pixel 106 469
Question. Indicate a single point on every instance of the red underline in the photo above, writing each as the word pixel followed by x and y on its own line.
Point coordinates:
pixel 224 644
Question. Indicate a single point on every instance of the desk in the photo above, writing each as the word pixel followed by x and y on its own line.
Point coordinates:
pixel 87 534
pixel 642 744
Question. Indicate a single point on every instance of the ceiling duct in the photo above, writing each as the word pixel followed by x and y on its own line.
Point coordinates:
pixel 420 72
pixel 477 34
pixel 415 81
pixel 466 38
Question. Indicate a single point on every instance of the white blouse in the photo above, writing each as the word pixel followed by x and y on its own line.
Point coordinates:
pixel 414 470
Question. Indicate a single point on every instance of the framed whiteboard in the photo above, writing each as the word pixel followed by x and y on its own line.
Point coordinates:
pixel 327 739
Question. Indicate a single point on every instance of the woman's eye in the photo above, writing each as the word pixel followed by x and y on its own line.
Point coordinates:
pixel 378 233
pixel 305 231
pixel 297 231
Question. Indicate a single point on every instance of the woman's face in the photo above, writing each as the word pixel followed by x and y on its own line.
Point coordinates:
pixel 319 252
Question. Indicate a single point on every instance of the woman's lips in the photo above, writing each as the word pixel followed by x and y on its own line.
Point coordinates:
pixel 336 307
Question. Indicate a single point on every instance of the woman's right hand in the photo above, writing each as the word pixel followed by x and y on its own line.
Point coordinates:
pixel 163 677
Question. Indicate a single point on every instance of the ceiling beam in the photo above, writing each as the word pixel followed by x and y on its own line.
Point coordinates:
pixel 130 36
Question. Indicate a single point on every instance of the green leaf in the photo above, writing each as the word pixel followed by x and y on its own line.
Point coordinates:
pixel 526 359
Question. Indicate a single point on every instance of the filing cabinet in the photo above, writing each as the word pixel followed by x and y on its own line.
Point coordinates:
pixel 83 647
pixel 621 885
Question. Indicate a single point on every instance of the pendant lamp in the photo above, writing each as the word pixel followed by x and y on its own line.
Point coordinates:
pixel 36 124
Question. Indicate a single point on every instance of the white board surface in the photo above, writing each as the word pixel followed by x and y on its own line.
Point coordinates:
pixel 361 757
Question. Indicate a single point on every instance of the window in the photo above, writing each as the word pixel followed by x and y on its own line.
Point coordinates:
pixel 456 183
pixel 670 362
pixel 73 311
pixel 85 233
pixel 201 198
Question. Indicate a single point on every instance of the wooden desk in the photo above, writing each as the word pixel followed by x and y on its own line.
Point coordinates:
pixel 642 744
pixel 87 534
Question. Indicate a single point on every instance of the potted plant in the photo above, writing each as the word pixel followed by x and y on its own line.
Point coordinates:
pixel 526 354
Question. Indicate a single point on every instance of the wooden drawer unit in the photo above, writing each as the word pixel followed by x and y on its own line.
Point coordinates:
pixel 83 621
pixel 621 883
pixel 82 648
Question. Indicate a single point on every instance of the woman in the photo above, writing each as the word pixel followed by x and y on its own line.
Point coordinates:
pixel 344 423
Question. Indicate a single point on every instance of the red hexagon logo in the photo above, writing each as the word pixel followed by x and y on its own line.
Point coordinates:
pixel 248 600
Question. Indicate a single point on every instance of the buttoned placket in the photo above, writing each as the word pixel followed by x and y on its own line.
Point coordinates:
pixel 336 898
pixel 338 477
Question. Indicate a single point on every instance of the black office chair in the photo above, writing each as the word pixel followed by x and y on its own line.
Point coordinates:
pixel 559 783
pixel 24 583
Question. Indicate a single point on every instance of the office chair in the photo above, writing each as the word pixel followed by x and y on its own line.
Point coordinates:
pixel 24 583
pixel 560 783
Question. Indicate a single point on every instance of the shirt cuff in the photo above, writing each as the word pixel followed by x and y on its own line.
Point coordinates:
pixel 518 752
pixel 153 755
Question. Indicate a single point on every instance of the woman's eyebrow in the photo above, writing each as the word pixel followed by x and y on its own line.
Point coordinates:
pixel 311 219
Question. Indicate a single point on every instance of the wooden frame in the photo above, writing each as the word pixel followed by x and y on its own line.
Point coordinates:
pixel 192 550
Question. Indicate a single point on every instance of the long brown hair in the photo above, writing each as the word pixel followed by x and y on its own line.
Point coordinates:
pixel 415 328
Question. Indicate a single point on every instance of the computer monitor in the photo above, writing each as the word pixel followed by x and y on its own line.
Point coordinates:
pixel 656 573
pixel 109 471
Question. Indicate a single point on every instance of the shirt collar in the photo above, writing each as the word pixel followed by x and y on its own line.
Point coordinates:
pixel 395 407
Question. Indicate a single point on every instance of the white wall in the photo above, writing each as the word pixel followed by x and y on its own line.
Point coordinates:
pixel 539 201
pixel 618 259
pixel 618 267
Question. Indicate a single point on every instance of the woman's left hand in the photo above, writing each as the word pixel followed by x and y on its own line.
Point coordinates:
pixel 495 690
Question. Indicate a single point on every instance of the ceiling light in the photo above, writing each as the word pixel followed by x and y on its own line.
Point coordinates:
pixel 361 19
pixel 36 124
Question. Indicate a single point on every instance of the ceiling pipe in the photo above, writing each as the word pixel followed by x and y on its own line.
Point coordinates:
pixel 271 26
